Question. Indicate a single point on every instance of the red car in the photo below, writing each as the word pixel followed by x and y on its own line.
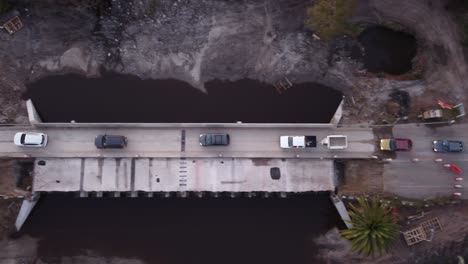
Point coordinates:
pixel 394 144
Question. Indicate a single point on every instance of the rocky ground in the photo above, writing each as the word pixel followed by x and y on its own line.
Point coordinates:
pixel 204 40
pixel 440 43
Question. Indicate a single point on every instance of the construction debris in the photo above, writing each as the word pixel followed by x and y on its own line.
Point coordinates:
pixel 13 25
pixel 424 232
pixel 282 85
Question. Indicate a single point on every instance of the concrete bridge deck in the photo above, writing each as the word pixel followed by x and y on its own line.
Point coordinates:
pixel 150 142
pixel 182 175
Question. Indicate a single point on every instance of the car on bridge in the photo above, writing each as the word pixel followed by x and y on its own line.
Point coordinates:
pixel 30 139
pixel 110 141
pixel 298 142
pixel 396 144
pixel 447 146
pixel 214 139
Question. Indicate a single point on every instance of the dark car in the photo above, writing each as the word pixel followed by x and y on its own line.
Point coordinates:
pixel 214 139
pixel 447 146
pixel 110 141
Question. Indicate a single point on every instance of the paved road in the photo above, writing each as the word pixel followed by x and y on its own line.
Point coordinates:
pixel 426 178
pixel 167 142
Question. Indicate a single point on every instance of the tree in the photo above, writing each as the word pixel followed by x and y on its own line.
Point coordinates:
pixel 374 229
pixel 329 18
pixel 4 6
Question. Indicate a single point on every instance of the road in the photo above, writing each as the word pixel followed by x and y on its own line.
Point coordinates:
pixel 169 143
pixel 425 178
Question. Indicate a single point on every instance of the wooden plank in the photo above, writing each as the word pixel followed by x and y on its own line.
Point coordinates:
pixel 13 25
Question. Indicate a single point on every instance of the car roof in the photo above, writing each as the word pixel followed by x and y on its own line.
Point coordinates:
pixel 114 140
pixel 32 139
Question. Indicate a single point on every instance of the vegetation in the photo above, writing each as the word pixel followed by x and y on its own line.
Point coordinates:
pixel 374 229
pixel 4 6
pixel 328 18
pixel 465 31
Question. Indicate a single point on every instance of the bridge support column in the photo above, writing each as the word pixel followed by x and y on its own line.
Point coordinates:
pixel 340 207
pixel 25 210
pixel 33 115
pixel 338 114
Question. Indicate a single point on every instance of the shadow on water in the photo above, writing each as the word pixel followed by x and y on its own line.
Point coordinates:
pixel 192 230
pixel 387 51
pixel 125 98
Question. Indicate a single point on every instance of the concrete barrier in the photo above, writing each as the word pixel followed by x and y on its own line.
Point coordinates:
pixel 36 121
pixel 338 114
pixel 33 115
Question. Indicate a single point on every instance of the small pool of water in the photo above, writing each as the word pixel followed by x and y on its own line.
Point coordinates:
pixel 387 50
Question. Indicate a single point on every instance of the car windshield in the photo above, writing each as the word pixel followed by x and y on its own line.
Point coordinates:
pixel 23 136
pixel 393 144
pixel 445 145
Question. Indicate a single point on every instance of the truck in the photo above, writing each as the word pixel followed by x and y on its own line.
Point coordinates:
pixel 298 142
pixel 335 142
pixel 443 114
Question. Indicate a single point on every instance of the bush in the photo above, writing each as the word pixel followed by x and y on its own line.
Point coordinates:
pixel 330 17
pixel 374 229
pixel 4 6
pixel 465 31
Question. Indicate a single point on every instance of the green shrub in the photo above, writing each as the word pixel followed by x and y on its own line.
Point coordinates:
pixel 329 18
pixel 465 31
pixel 374 229
pixel 4 6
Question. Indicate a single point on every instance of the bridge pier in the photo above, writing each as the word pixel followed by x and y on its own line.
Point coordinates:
pixel 25 210
pixel 33 115
pixel 340 207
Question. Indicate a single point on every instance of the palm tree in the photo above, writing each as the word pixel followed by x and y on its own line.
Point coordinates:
pixel 374 229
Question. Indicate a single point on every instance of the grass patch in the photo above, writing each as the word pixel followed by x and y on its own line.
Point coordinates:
pixel 465 31
pixel 4 6
pixel 329 18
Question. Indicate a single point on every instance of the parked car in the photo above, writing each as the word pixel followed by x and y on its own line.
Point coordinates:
pixel 396 144
pixel 214 139
pixel 447 146
pixel 110 141
pixel 30 139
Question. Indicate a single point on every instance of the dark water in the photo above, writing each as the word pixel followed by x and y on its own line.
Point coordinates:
pixel 123 98
pixel 387 50
pixel 191 230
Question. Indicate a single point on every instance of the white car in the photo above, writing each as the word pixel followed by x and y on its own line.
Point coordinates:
pixel 30 139
pixel 298 141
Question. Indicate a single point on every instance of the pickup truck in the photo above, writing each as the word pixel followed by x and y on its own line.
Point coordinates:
pixel 335 142
pixel 298 141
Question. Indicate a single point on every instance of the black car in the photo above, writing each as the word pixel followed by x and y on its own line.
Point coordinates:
pixel 110 141
pixel 447 146
pixel 214 139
